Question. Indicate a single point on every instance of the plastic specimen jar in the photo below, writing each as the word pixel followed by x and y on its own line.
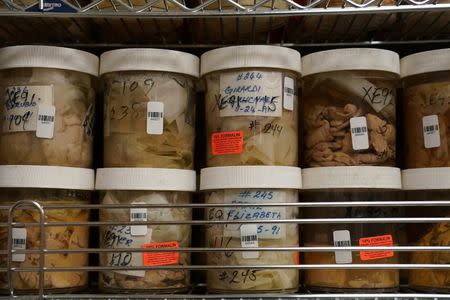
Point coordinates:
pixel 337 184
pixel 149 115
pixel 251 105
pixel 349 114
pixel 426 82
pixel 134 187
pixel 47 113
pixel 48 186
pixel 251 185
pixel 429 184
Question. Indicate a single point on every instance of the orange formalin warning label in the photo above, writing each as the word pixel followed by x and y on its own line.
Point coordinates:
pixel 381 240
pixel 227 142
pixel 161 258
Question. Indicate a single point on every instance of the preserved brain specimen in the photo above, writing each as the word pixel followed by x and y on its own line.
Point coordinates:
pixel 267 140
pixel 56 238
pixel 429 99
pixel 175 280
pixel 272 235
pixel 438 235
pixel 73 98
pixel 331 103
pixel 127 143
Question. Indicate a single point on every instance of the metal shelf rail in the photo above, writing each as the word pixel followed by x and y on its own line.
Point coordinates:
pixel 214 23
pixel 197 292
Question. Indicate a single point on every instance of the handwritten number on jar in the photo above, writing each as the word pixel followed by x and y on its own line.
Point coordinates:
pixel 377 95
pixel 238 276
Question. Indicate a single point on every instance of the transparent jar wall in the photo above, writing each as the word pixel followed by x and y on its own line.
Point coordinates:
pixel 73 98
pixel 162 236
pixel 269 235
pixel 126 141
pixel 316 235
pixel 437 234
pixel 331 100
pixel 56 238
pixel 426 95
pixel 241 132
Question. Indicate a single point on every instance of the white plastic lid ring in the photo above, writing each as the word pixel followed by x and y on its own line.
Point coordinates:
pixel 48 57
pixel 363 177
pixel 146 179
pixel 250 57
pixel 351 59
pixel 426 179
pixel 149 60
pixel 49 177
pixel 250 177
pixel 425 62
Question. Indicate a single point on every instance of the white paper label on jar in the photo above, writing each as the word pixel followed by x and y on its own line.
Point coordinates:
pixel 250 93
pixel 360 135
pixel 46 121
pixel 288 97
pixel 19 242
pixel 120 237
pixel 265 231
pixel 249 239
pixel 431 135
pixel 341 238
pixel 20 108
pixel 138 215
pixel 155 117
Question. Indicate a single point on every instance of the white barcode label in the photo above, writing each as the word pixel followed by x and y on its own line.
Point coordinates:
pixel 46 121
pixel 155 117
pixel 431 135
pixel 360 136
pixel 341 238
pixel 138 215
pixel 249 239
pixel 19 242
pixel 288 95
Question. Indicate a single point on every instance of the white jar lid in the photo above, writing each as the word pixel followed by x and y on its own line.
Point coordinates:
pixel 250 57
pixel 141 59
pixel 48 57
pixel 426 179
pixel 366 177
pixel 240 177
pixel 425 62
pixel 351 59
pixel 46 177
pixel 146 179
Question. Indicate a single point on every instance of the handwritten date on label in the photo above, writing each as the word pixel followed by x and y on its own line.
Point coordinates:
pixel 250 94
pixel 20 106
pixel 266 230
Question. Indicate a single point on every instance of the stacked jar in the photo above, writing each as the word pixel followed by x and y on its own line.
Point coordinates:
pixel 253 185
pixel 46 146
pixel 350 154
pixel 426 83
pixel 149 134
pixel 251 110
pixel 348 184
pixel 66 189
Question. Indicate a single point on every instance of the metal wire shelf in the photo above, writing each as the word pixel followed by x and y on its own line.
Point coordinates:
pixel 198 290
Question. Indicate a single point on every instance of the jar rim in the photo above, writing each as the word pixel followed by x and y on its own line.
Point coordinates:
pixel 425 62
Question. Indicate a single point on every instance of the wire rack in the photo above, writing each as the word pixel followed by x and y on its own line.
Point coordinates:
pixel 213 23
pixel 198 290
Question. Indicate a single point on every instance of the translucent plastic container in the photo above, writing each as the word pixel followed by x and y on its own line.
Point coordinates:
pixel 252 185
pixel 251 105
pixel 349 115
pixel 337 184
pixel 145 186
pixel 48 113
pixel 149 101
pixel 429 184
pixel 426 82
pixel 46 186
